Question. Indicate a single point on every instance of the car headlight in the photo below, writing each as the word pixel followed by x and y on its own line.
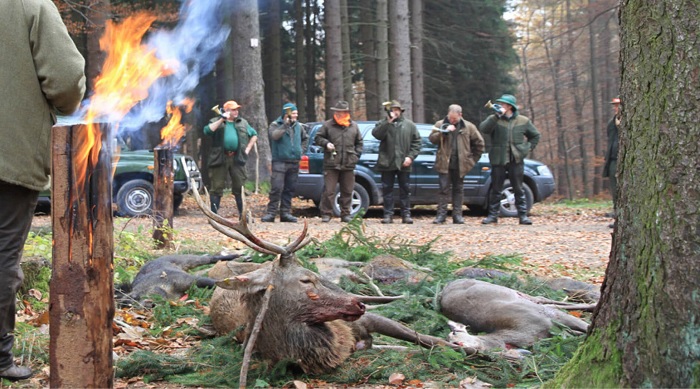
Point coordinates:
pixel 544 170
pixel 191 165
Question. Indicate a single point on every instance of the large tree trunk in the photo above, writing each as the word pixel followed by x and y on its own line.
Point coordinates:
pixel 400 60
pixel 373 107
pixel 247 73
pixel 645 329
pixel 417 60
pixel 272 70
pixel 347 57
pixel 383 51
pixel 334 55
pixel 595 110
pixel 300 58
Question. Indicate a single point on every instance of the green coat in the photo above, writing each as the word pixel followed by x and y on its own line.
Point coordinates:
pixel 244 132
pixel 516 134
pixel 398 140
pixel 470 146
pixel 287 143
pixel 42 74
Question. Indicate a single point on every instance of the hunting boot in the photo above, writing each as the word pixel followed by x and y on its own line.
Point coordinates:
pixel 492 218
pixel 269 218
pixel 521 205
pixel 388 213
pixel 286 217
pixel 441 214
pixel 215 202
pixel 457 208
pixel 239 204
pixel 406 217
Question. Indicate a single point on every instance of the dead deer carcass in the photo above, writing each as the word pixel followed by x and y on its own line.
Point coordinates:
pixel 305 318
pixel 507 317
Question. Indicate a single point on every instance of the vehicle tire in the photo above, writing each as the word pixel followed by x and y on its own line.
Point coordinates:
pixel 360 200
pixel 135 198
pixel 508 199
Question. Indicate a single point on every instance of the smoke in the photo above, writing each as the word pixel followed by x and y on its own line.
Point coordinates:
pixel 194 44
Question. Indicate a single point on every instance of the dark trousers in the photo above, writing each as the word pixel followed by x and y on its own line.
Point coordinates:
pixel 230 169
pixel 514 172
pixel 17 206
pixel 452 183
pixel 283 184
pixel 613 183
pixel 388 179
pixel 331 178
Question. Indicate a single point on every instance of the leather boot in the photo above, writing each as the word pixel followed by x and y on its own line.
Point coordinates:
pixel 287 217
pixel 406 217
pixel 268 218
pixel 457 208
pixel 521 205
pixel 441 214
pixel 215 202
pixel 16 373
pixel 457 217
pixel 239 203
pixel 492 218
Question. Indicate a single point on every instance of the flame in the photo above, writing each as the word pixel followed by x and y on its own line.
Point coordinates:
pixel 174 130
pixel 129 70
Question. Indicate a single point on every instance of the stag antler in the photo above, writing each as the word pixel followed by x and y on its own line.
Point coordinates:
pixel 240 231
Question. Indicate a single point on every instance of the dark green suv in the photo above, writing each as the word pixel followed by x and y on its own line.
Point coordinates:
pixel 424 184
pixel 132 185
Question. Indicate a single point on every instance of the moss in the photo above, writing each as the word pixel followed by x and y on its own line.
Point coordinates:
pixel 596 364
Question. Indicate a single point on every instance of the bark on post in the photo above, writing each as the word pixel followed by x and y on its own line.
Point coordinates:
pixel 81 291
pixel 163 178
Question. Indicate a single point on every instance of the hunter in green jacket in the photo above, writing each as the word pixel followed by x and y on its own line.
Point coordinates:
pixel 512 138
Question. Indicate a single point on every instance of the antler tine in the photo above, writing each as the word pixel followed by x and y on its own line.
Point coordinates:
pixel 243 232
pixel 237 236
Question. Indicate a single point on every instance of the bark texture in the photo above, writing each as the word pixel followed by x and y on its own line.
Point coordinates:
pixel 646 332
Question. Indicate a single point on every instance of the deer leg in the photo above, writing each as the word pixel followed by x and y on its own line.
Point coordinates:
pixel 388 327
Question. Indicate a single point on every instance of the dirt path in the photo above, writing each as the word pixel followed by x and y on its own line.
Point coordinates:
pixel 563 241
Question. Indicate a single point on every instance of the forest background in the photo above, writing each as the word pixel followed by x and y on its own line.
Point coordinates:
pixel 560 58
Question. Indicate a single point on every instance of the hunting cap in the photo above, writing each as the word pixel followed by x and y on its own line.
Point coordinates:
pixel 508 99
pixel 341 105
pixel 231 105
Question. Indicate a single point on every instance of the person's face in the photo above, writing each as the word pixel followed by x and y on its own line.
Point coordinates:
pixel 508 107
pixel 396 112
pixel 294 115
pixel 233 113
pixel 617 109
pixel 453 117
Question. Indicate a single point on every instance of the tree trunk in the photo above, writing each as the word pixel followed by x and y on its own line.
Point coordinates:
pixel 312 14
pixel 400 60
pixel 383 51
pixel 300 58
pixel 247 73
pixel 334 55
pixel 347 57
pixel 373 105
pixel 645 329
pixel 272 65
pixel 595 109
pixel 417 61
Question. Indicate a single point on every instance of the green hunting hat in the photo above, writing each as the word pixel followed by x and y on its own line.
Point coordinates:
pixel 508 99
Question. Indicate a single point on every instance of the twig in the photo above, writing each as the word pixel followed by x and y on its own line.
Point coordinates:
pixel 253 335
pixel 369 280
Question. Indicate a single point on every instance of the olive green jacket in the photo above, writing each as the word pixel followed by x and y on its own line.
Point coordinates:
pixel 517 135
pixel 347 141
pixel 42 74
pixel 398 140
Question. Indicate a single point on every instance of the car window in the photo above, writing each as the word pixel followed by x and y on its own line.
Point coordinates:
pixel 370 144
pixel 427 147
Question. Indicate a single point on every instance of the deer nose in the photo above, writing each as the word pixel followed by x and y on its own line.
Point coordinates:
pixel 361 306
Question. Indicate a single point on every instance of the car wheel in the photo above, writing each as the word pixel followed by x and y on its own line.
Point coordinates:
pixel 360 200
pixel 508 208
pixel 135 198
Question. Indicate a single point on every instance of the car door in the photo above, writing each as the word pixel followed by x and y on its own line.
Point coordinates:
pixel 424 176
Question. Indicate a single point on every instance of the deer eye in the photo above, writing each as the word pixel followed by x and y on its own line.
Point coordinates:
pixel 306 281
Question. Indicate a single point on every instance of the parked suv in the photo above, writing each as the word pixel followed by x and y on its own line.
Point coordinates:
pixel 132 185
pixel 424 184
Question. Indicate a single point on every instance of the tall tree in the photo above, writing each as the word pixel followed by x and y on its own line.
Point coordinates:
pixel 645 329
pixel 334 55
pixel 300 57
pixel 382 46
pixel 417 60
pixel 247 74
pixel 373 108
pixel 271 20
pixel 347 55
pixel 400 54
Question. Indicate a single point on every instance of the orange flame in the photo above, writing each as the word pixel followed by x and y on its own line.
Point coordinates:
pixel 130 68
pixel 174 130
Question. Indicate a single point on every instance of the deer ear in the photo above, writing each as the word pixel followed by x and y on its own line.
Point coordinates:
pixel 252 281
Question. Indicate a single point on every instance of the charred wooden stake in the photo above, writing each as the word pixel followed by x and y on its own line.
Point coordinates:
pixel 81 299
pixel 163 178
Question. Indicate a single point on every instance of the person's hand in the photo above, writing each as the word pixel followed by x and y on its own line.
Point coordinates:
pixel 330 146
pixel 226 115
pixel 407 162
pixel 451 128
pixel 392 117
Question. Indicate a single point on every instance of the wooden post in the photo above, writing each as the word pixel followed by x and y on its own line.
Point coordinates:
pixel 163 181
pixel 81 299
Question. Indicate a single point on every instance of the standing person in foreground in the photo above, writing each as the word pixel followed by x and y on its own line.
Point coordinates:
pixel 398 148
pixel 342 142
pixel 513 136
pixel 460 146
pixel 229 154
pixel 610 168
pixel 42 74
pixel 288 139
